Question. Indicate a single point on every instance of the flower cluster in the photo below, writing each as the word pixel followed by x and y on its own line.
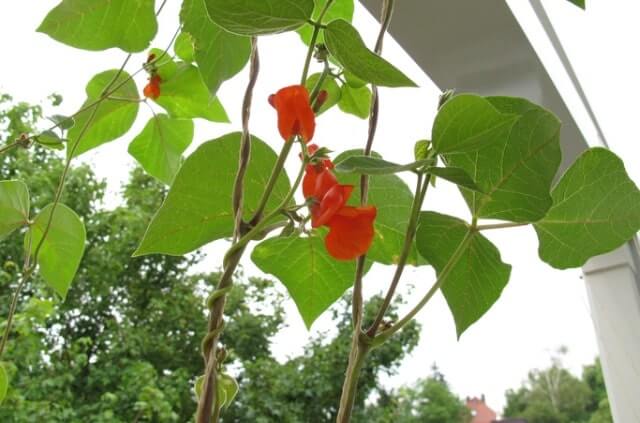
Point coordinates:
pixel 350 228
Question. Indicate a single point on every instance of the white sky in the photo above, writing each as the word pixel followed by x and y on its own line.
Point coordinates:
pixel 540 309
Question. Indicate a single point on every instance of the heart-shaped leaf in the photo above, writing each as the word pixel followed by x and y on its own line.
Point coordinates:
pixel 14 206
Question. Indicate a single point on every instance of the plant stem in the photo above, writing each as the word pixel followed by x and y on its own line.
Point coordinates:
pixel 314 40
pixel 12 309
pixel 8 147
pixel 271 183
pixel 359 351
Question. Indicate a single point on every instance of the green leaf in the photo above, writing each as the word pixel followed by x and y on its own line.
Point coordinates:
pixel 394 200
pixel 160 145
pixel 112 119
pixel 102 24
pixel 456 175
pixel 596 208
pixel 51 140
pixel 580 3
pixel 314 279
pixel 467 123
pixel 63 122
pixel 346 45
pixel 368 165
pixel 219 54
pixel 14 206
pixel 353 80
pixel 4 383
pixel 355 101
pixel 259 17
pixel 185 96
pixel 329 85
pixel 197 209
pixel 184 46
pixel 421 149
pixel 227 389
pixel 515 168
pixel 475 274
pixel 62 248
pixel 340 9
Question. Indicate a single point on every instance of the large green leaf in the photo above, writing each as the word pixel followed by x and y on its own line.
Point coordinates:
pixel 346 45
pixel 259 17
pixel 160 145
pixel 515 168
pixel 185 96
pixel 62 248
pixel 393 199
pixel 219 54
pixel 102 24
pixel 112 119
pixel 355 101
pixel 313 278
pixel 340 9
pixel 4 383
pixel 14 206
pixel 596 208
pixel 197 209
pixel 467 123
pixel 475 275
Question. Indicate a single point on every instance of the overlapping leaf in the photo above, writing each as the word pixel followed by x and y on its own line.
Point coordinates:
pixel 473 274
pixel 102 24
pixel 313 278
pixel 340 9
pixel 355 101
pixel 197 209
pixel 113 117
pixel 14 206
pixel 596 208
pixel 330 86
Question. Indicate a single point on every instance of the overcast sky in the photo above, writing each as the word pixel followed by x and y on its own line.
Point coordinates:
pixel 541 308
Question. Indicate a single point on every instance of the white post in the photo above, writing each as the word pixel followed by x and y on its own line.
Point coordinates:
pixel 614 296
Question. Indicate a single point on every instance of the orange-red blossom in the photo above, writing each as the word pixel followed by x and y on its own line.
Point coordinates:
pixel 152 89
pixel 295 115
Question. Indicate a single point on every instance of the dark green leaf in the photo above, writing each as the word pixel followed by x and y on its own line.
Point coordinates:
pixel 456 175
pixel 4 383
pixel 515 168
pixel 51 140
pixel 475 274
pixel 62 248
pixel 260 17
pixel 219 54
pixel 197 209
pixel 368 165
pixel 185 96
pixel 596 208
pixel 313 278
pixel 467 123
pixel 112 119
pixel 346 45
pixel 160 146
pixel 355 101
pixel 580 3
pixel 340 9
pixel 14 206
pixel 184 46
pixel 102 24
pixel 330 86
pixel 393 199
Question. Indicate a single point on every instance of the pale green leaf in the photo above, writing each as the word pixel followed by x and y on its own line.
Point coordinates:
pixel 62 248
pixel 355 101
pixel 159 147
pixel 14 206
pixel 369 165
pixel 227 389
pixel 259 17
pixel 340 9
pixel 475 274
pixel 596 208
pixel 314 279
pixel 197 209
pixel 184 46
pixel 345 45
pixel 111 120
pixel 330 86
pixel 102 24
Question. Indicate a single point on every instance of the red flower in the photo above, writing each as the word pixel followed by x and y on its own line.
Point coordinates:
pixel 152 89
pixel 332 202
pixel 295 116
pixel 350 232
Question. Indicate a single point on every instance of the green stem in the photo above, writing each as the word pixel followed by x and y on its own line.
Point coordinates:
pixel 314 39
pixel 12 309
pixel 359 351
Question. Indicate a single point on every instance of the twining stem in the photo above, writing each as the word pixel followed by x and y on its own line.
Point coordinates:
pixel 8 147
pixel 357 357
pixel 273 179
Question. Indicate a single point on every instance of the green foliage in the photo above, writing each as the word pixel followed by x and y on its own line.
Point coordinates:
pixel 345 45
pixel 580 3
pixel 596 208
pixel 227 389
pixel 469 266
pixel 62 248
pixel 393 199
pixel 197 209
pixel 369 165
pixel 4 383
pixel 184 48
pixel 260 17
pixel 340 9
pixel 329 85
pixel 159 147
pixel 105 121
pixel 14 206
pixel 101 24
pixel 355 101
pixel 455 175
pixel 313 278
pixel 219 54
